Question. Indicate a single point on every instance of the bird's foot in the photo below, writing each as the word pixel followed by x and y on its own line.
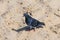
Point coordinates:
pixel 34 30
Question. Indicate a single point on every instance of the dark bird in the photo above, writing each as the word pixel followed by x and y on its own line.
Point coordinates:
pixel 31 23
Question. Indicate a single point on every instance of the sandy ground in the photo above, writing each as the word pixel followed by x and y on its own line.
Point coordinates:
pixel 11 16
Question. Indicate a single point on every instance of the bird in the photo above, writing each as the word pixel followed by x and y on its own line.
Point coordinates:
pixel 31 22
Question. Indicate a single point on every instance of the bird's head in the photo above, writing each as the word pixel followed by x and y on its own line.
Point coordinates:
pixel 26 14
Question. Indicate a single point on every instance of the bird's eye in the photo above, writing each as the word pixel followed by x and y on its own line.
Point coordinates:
pixel 30 13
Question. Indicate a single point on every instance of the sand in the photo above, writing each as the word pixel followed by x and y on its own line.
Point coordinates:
pixel 11 17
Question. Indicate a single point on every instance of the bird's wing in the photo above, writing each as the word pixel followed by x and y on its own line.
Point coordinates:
pixel 34 22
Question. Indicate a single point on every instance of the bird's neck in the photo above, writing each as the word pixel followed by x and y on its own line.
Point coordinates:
pixel 28 16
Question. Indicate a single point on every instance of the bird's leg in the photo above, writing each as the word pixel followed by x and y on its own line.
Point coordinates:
pixel 34 29
pixel 30 27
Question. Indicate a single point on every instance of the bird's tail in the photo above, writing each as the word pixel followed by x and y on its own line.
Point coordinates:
pixel 42 23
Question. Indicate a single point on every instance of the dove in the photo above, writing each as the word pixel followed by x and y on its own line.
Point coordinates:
pixel 31 22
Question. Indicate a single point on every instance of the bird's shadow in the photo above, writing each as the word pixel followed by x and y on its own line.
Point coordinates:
pixel 26 28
